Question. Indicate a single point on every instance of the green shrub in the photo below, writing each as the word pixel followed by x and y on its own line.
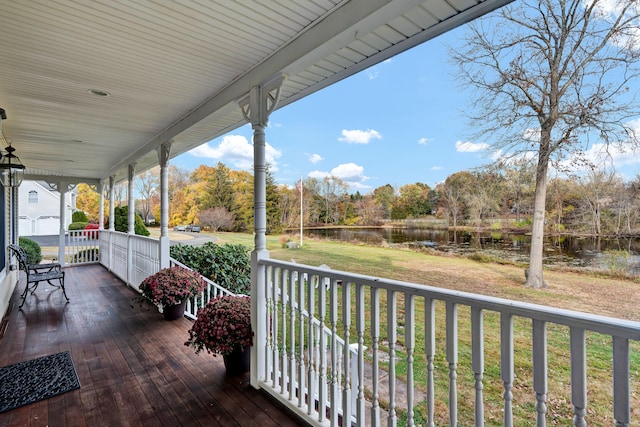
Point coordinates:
pixel 77 226
pixel 32 249
pixel 227 265
pixel 79 216
pixel 121 222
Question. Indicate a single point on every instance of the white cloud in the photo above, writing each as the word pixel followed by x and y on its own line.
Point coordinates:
pixel 600 154
pixel 236 150
pixel 424 141
pixel 315 158
pixel 357 136
pixel 437 168
pixel 470 147
pixel 350 173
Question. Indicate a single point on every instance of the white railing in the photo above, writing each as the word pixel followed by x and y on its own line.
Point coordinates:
pixel 212 290
pixel 81 247
pixel 130 257
pixel 385 314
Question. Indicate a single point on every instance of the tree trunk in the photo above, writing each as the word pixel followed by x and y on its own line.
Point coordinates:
pixel 534 278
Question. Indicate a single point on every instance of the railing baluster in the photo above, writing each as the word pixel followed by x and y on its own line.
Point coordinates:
pixel 430 352
pixel 409 343
pixel 311 383
pixel 578 376
pixel 506 365
pixel 301 340
pixel 452 360
pixel 301 344
pixel 540 376
pixel 292 337
pixel 621 396
pixel 335 354
pixel 392 324
pixel 322 393
pixel 347 410
pixel 284 368
pixel 375 337
pixel 360 326
pixel 477 361
pixel 275 324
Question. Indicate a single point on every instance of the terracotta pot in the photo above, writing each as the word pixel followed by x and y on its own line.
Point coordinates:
pixel 238 362
pixel 174 312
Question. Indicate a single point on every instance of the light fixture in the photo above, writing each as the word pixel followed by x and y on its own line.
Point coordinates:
pixel 11 169
pixel 3 116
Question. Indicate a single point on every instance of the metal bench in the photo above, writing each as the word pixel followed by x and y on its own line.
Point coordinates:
pixel 37 273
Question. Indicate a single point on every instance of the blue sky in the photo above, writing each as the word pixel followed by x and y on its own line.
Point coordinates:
pixel 399 122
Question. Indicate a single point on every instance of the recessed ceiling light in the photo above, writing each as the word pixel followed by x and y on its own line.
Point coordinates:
pixel 98 92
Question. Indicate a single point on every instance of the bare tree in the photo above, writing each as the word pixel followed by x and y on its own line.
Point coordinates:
pixel 148 186
pixel 217 218
pixel 553 76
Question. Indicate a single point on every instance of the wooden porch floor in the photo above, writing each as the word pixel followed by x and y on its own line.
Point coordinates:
pixel 133 367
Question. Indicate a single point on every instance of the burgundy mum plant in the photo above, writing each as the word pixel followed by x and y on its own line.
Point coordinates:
pixel 222 325
pixel 172 285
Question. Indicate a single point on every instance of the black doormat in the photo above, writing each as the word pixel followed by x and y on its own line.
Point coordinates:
pixel 33 380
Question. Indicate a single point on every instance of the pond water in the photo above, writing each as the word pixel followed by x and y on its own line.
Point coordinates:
pixel 621 253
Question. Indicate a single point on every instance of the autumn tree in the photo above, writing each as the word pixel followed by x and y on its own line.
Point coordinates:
pixel 273 203
pixel 242 185
pixel 178 179
pixel 368 211
pixel 384 197
pixel 88 201
pixel 413 201
pixel 553 77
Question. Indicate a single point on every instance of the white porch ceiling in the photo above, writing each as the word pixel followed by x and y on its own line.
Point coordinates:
pixel 174 70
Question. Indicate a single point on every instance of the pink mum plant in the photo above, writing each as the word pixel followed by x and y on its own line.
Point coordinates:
pixel 222 325
pixel 172 285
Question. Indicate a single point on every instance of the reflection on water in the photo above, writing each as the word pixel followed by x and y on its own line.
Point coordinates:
pixel 567 250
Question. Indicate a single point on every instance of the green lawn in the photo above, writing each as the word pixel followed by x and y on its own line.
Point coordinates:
pixel 570 290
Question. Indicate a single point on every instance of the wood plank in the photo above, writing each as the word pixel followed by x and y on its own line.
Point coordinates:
pixel 133 367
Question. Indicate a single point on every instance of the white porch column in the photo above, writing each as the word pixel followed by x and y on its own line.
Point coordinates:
pixel 112 220
pixel 163 156
pixel 132 200
pixel 131 221
pixel 256 108
pixel 15 218
pixel 62 188
pixel 101 207
pixel 112 203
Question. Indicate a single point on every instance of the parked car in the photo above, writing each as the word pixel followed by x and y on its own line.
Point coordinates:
pixel 180 228
pixel 193 228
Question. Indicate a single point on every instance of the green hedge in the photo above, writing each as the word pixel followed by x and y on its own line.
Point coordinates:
pixel 32 249
pixel 227 265
pixel 77 226
pixel 79 216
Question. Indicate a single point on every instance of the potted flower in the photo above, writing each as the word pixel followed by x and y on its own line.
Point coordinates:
pixel 223 326
pixel 171 288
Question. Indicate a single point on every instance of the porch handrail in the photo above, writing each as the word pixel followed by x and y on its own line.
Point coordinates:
pixel 81 247
pixel 212 290
pixel 130 257
pixel 290 341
